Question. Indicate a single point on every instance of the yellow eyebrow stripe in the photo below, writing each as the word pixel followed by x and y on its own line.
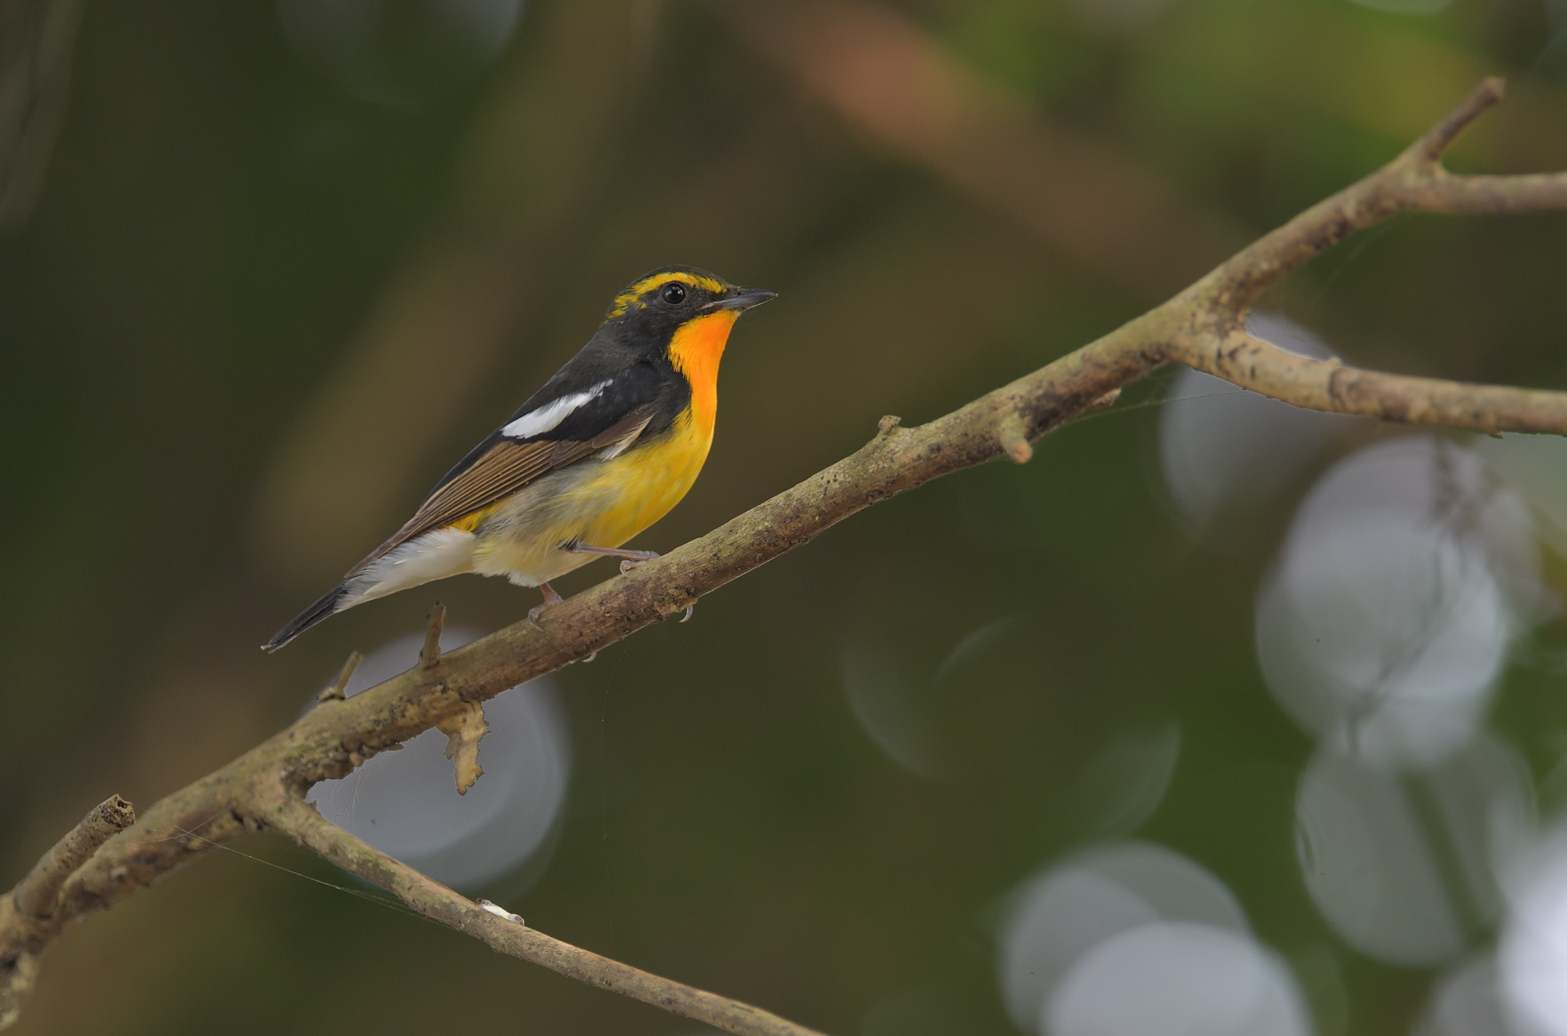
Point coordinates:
pixel 626 299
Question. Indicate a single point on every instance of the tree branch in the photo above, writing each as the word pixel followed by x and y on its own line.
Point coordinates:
pixel 38 893
pixel 1203 327
pixel 1332 387
pixel 506 933
pixel 1415 181
pixel 1434 142
pixel 29 917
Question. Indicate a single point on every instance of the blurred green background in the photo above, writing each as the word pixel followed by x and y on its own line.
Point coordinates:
pixel 1216 717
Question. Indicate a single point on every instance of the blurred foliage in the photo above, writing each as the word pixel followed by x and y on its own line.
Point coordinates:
pixel 289 259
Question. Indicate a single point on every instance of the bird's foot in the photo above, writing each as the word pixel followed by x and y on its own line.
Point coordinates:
pixel 551 599
pixel 629 563
pixel 629 559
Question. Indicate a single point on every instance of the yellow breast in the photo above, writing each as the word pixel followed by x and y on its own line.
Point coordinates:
pixel 648 481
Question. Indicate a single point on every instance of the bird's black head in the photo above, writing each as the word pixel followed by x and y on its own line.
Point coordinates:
pixel 654 307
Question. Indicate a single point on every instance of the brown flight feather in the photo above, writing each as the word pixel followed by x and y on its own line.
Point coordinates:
pixel 502 470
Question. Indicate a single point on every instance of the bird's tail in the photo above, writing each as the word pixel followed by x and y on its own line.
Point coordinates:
pixel 325 605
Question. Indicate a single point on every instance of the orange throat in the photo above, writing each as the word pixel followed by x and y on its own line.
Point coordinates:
pixel 696 350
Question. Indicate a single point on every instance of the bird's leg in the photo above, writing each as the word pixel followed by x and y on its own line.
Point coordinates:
pixel 629 559
pixel 551 598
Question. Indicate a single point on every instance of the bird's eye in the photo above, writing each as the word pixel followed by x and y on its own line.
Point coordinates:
pixel 674 294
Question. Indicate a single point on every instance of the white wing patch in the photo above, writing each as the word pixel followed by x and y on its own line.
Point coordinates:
pixel 537 422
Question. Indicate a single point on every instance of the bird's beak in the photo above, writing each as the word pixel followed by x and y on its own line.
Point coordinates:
pixel 743 299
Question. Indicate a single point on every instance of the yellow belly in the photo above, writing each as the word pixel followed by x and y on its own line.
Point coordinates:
pixel 648 482
pixel 598 503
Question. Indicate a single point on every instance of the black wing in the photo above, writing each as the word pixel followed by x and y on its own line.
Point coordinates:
pixel 630 386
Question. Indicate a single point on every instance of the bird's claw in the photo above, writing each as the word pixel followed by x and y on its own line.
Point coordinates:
pixel 627 564
pixel 632 558
pixel 551 599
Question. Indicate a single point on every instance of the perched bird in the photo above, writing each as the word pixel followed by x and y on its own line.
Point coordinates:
pixel 606 448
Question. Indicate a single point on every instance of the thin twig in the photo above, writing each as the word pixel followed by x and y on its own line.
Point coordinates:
pixel 38 894
pixel 1415 181
pixel 30 914
pixel 430 654
pixel 1332 387
pixel 336 690
pixel 506 933
pixel 1433 144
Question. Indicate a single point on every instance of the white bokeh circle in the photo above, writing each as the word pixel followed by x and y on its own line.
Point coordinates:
pixel 1532 953
pixel 1059 916
pixel 1384 624
pixel 1178 977
pixel 1384 639
pixel 406 803
pixel 1408 869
